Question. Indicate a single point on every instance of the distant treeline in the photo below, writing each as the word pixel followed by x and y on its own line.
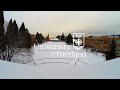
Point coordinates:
pixel 68 39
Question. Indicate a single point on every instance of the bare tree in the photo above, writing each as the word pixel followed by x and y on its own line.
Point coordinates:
pixel 11 46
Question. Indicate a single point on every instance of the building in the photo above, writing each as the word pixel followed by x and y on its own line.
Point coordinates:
pixel 101 43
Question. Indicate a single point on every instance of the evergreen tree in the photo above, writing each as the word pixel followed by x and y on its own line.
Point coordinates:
pixel 15 28
pixel 12 32
pixel 111 52
pixel 1 24
pixel 39 37
pixel 22 36
pixel 25 37
pixel 9 34
pixel 107 57
pixel 28 39
pixel 63 37
pixel 10 29
pixel 22 30
pixel 2 43
pixel 69 39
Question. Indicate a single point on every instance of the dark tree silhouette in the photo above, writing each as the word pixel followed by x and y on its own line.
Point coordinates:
pixel 28 38
pixel 25 37
pixel 10 31
pixel 111 52
pixel 2 43
pixel 63 37
pixel 22 30
pixel 15 28
pixel 1 24
pixel 40 38
pixel 58 37
pixel 69 39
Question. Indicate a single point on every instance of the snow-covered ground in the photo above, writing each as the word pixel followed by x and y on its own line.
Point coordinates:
pixel 46 64
pixel 49 55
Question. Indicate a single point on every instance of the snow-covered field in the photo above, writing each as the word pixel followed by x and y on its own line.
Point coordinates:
pixel 49 55
pixel 47 64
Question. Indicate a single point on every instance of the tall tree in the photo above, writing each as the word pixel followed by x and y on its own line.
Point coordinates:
pixel 10 29
pixel 62 37
pixel 2 43
pixel 39 38
pixel 15 27
pixel 111 52
pixel 11 41
pixel 22 29
pixel 22 35
pixel 25 37
pixel 69 39
pixel 28 38
pixel 1 24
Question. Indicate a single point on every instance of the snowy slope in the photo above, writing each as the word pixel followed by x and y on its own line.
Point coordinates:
pixel 109 69
pixel 49 66
pixel 50 55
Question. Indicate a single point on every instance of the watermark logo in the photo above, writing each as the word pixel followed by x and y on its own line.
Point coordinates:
pixel 78 40
pixel 61 49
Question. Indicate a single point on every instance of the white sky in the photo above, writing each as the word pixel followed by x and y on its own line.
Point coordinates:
pixel 57 22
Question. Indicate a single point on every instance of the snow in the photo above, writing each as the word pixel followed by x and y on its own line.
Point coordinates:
pixel 46 55
pixel 48 66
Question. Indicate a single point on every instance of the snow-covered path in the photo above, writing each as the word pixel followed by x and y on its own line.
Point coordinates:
pixel 52 56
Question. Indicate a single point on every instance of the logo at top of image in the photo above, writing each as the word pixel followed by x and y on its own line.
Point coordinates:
pixel 78 40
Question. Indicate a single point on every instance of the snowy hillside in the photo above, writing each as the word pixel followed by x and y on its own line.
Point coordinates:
pixel 109 69
pixel 46 64
pixel 50 55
